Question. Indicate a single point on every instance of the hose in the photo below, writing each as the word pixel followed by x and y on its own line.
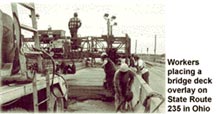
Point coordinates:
pixel 53 74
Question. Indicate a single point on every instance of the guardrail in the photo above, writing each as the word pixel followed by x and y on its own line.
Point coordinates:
pixel 143 92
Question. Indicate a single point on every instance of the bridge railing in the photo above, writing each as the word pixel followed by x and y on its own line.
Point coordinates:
pixel 142 91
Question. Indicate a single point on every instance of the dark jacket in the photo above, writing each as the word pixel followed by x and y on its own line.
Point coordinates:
pixel 123 82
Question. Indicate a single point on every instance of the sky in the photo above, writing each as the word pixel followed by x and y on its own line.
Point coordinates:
pixel 140 19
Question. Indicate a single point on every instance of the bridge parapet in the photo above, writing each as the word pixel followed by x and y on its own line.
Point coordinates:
pixel 146 99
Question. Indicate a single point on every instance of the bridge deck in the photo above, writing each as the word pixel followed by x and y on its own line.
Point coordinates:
pixel 86 92
pixel 87 84
pixel 87 77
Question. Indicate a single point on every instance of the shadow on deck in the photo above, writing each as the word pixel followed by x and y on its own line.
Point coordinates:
pixel 86 92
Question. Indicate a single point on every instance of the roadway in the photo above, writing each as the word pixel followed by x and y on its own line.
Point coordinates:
pixel 93 78
pixel 157 78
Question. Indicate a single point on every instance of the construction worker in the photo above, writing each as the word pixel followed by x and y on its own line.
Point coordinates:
pixel 87 62
pixel 132 61
pixel 66 68
pixel 74 24
pixel 123 80
pixel 141 68
pixel 109 69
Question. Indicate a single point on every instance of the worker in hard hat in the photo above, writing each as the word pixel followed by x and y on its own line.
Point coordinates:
pixel 109 69
pixel 74 24
pixel 141 68
pixel 123 81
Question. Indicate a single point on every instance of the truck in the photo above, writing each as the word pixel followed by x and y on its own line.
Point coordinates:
pixel 26 88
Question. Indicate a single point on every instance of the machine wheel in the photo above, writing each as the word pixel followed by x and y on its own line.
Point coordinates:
pixel 17 109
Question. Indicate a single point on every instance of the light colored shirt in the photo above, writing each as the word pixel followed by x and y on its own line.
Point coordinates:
pixel 141 64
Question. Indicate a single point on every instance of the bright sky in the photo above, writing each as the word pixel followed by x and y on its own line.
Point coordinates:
pixel 140 19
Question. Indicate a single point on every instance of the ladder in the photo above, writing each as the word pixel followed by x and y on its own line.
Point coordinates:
pixel 17 24
pixel 1 37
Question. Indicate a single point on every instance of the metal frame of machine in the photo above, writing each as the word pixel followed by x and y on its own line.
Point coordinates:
pixel 46 89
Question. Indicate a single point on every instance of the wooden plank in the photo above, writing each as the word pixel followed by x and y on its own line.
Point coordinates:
pixel 16 23
pixel 36 37
pixel 1 38
pixel 28 40
pixel 27 5
pixel 35 94
pixel 48 91
pixel 28 28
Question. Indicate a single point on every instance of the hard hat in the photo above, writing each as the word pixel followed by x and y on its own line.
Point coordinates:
pixel 104 54
pixel 124 67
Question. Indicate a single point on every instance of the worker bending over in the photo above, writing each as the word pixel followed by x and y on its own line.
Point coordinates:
pixel 109 69
pixel 123 80
pixel 141 68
